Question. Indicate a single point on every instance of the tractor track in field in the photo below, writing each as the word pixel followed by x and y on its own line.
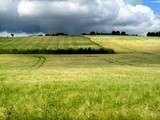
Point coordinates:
pixel 131 53
pixel 137 57
pixel 110 60
pixel 96 44
pixel 127 48
pixel 113 61
pixel 93 42
pixel 40 61
pixel 135 51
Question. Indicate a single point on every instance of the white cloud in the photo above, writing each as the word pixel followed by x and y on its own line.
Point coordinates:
pixel 79 15
pixel 50 7
pixel 100 9
pixel 138 18
pixel 3 5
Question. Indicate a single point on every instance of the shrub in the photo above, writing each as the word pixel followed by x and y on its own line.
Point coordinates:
pixel 59 51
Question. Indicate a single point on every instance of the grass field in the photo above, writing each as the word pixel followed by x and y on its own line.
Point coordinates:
pixel 50 45
pixel 122 86
pixel 129 44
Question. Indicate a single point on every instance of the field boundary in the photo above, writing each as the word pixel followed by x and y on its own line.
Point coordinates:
pixel 114 61
pixel 59 51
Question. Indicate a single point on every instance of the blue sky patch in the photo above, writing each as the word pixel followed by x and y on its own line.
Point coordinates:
pixel 154 4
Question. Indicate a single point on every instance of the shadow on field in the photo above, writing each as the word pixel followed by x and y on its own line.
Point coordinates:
pixel 59 51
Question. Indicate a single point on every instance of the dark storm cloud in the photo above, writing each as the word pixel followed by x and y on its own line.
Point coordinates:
pixel 76 16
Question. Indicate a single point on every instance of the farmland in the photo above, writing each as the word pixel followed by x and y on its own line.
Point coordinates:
pixel 121 86
pixel 60 42
pixel 56 44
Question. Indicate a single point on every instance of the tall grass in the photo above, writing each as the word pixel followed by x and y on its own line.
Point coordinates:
pixel 78 87
pixel 123 86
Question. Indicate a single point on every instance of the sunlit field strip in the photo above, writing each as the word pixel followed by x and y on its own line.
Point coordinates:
pixel 47 43
pixel 127 44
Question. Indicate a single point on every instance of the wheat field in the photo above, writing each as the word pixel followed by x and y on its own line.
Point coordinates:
pixel 120 86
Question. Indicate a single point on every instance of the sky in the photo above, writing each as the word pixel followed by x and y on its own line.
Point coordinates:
pixel 154 4
pixel 78 16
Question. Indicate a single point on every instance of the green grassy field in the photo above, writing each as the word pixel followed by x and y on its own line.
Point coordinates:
pixel 48 43
pixel 129 44
pixel 51 45
pixel 122 86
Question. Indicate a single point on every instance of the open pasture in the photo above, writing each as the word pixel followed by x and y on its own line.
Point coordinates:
pixel 121 86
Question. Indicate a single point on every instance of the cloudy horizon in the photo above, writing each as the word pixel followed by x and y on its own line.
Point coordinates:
pixel 78 16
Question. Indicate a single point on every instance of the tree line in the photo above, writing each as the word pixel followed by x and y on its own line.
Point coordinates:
pixel 123 33
pixel 103 33
pixel 91 33
pixel 56 34
pixel 156 34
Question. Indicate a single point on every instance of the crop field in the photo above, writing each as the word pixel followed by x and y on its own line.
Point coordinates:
pixel 50 45
pixel 120 86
